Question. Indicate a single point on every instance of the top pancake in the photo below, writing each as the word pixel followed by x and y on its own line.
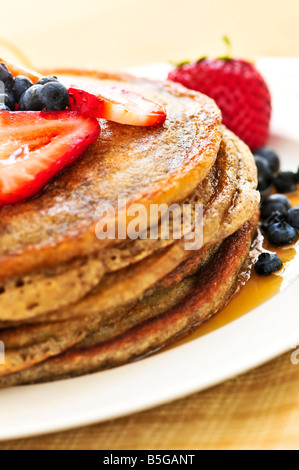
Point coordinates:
pixel 144 165
pixel 121 274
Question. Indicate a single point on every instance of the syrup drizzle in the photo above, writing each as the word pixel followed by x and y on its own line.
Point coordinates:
pixel 257 290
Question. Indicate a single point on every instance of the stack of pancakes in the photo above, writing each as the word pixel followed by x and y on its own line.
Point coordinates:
pixel 71 303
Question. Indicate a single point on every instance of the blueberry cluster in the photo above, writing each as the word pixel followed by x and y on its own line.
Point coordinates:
pixel 280 221
pixel 47 93
pixel 269 174
pixel 281 224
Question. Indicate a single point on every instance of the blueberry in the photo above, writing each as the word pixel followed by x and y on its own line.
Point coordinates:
pixel 274 203
pixel 275 218
pixel 54 96
pixel 285 182
pixel 8 100
pixel 49 79
pixel 21 85
pixel 6 78
pixel 30 100
pixel 3 107
pixel 293 217
pixel 267 264
pixel 282 234
pixel 271 157
pixel 265 175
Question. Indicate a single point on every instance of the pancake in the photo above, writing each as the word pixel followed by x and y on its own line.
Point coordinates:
pixel 144 165
pixel 158 321
pixel 229 197
pixel 92 313
pixel 72 304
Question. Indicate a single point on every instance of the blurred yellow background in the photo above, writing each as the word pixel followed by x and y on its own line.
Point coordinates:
pixel 119 33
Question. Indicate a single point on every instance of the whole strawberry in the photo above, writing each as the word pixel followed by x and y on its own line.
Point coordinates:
pixel 239 90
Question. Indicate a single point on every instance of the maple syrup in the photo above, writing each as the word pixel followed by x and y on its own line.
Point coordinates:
pixel 257 290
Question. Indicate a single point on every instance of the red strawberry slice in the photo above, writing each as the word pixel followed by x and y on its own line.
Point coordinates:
pixel 115 104
pixel 35 146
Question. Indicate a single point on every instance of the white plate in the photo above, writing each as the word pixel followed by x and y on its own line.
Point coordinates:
pixel 259 336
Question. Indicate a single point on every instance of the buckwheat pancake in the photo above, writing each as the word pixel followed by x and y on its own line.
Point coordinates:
pixel 229 198
pixel 144 165
pixel 109 307
pixel 155 322
pixel 71 303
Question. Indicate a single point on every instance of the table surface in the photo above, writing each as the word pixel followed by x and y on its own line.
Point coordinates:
pixel 259 410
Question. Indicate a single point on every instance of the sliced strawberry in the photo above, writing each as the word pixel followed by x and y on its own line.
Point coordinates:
pixel 16 70
pixel 115 104
pixel 35 146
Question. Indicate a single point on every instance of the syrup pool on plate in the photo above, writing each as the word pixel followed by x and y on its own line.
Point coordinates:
pixel 257 290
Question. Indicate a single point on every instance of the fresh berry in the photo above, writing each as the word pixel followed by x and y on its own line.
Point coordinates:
pixel 282 234
pixel 285 182
pixel 274 203
pixel 54 96
pixel 115 104
pixel 275 218
pixel 16 70
pixel 268 263
pixel 3 107
pixel 265 175
pixel 30 100
pixel 293 217
pixel 48 79
pixel 8 100
pixel 239 90
pixel 6 78
pixel 21 85
pixel 271 157
pixel 36 146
